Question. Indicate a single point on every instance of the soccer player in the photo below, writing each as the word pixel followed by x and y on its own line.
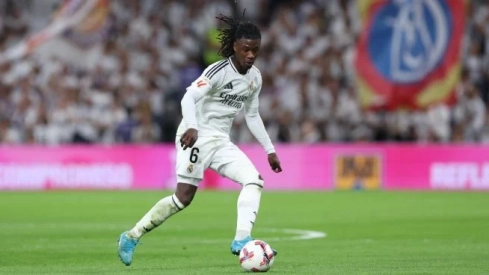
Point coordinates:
pixel 209 106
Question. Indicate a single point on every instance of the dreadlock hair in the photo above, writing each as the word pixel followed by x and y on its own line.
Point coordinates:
pixel 237 30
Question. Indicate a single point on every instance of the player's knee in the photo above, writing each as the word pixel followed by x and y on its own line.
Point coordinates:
pixel 184 198
pixel 253 185
pixel 250 176
pixel 257 182
pixel 185 193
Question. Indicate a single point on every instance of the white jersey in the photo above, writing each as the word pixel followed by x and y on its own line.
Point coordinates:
pixel 224 93
pixel 214 99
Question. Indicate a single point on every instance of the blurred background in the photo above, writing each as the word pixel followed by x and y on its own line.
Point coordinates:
pixel 358 95
pixel 114 71
pixel 390 92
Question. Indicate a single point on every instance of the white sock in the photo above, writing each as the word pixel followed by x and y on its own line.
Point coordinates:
pixel 162 210
pixel 248 205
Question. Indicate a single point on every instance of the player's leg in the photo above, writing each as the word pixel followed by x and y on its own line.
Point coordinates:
pixel 160 212
pixel 190 170
pixel 165 208
pixel 232 163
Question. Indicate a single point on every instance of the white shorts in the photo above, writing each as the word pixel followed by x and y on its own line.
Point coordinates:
pixel 221 155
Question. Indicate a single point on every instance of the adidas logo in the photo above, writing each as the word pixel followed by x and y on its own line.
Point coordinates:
pixel 228 86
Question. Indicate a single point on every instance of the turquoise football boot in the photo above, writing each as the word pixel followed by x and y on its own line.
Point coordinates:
pixel 236 246
pixel 126 248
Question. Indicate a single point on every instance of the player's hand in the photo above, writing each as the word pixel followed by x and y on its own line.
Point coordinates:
pixel 189 138
pixel 274 162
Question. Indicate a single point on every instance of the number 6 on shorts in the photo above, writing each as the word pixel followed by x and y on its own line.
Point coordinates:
pixel 193 155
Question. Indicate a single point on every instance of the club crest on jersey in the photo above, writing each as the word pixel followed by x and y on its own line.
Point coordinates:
pixel 252 86
pixel 190 168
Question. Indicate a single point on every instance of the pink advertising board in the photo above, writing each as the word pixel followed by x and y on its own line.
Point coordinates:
pixel 306 167
pixel 84 167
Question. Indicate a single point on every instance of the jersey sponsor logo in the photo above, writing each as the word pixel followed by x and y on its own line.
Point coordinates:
pixel 235 101
pixel 358 171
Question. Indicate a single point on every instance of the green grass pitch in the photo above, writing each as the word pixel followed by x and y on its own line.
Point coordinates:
pixel 367 233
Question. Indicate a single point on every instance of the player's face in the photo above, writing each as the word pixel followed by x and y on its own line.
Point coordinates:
pixel 246 52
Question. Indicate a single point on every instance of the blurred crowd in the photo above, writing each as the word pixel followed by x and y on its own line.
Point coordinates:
pixel 154 49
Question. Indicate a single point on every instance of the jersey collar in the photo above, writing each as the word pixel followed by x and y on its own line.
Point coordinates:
pixel 234 68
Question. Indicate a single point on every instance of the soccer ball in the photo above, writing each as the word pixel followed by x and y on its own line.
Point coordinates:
pixel 256 256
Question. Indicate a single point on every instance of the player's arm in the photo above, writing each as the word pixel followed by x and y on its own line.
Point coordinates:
pixel 195 92
pixel 257 128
